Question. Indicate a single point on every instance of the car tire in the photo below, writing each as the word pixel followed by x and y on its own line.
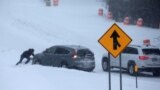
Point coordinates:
pixel 90 70
pixel 64 65
pixel 36 61
pixel 131 69
pixel 156 73
pixel 105 65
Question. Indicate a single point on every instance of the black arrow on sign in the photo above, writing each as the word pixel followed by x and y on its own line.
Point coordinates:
pixel 115 37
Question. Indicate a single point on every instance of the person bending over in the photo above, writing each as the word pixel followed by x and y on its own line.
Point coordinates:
pixel 26 54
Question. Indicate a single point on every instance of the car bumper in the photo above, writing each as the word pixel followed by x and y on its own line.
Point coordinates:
pixel 85 65
pixel 149 69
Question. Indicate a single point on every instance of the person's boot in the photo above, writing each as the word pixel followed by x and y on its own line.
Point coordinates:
pixel 27 61
pixel 17 63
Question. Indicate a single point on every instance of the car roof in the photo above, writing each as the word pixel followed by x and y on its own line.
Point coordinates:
pixel 143 46
pixel 77 47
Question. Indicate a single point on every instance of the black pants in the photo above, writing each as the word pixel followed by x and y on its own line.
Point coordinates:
pixel 20 61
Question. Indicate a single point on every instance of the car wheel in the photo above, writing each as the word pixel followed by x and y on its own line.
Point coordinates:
pixel 90 70
pixel 131 69
pixel 156 73
pixel 36 61
pixel 64 65
pixel 105 65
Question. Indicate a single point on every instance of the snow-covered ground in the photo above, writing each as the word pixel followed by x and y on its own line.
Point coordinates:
pixel 31 24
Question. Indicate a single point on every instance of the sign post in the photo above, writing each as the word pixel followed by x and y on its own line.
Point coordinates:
pixel 120 64
pixel 109 71
pixel 136 70
pixel 115 40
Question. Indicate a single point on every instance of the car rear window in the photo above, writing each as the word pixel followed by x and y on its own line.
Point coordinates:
pixel 151 51
pixel 84 52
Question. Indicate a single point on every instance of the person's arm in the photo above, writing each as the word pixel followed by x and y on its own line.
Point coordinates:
pixel 33 54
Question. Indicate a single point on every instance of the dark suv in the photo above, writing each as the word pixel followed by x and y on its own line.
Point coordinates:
pixel 69 56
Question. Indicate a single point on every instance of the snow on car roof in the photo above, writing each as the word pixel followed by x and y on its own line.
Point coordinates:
pixel 73 46
pixel 144 46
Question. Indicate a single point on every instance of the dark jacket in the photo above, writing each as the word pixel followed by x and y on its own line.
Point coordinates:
pixel 28 53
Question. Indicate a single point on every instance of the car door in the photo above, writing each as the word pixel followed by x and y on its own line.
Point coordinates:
pixel 130 53
pixel 48 56
pixel 114 61
pixel 60 55
pixel 124 56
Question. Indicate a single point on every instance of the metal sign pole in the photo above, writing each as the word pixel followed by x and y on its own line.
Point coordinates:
pixel 120 72
pixel 136 71
pixel 109 71
pixel 136 80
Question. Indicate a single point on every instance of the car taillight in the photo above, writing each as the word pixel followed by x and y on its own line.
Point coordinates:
pixel 143 57
pixel 74 55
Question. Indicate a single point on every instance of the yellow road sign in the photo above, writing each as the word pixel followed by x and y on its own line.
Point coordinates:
pixel 115 40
